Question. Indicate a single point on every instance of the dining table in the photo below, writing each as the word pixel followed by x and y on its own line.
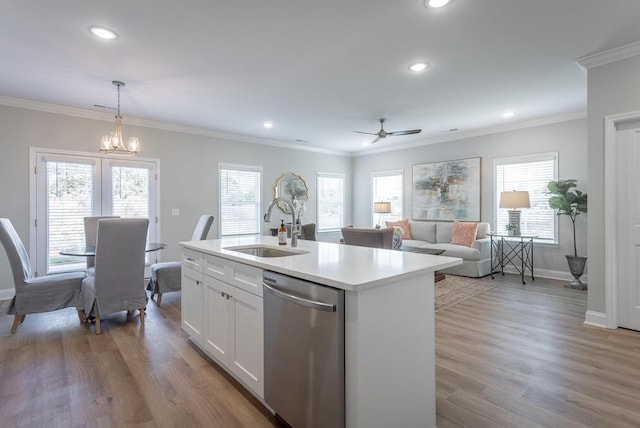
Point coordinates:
pixel 90 250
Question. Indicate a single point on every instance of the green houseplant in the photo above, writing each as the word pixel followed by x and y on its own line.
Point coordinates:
pixel 570 202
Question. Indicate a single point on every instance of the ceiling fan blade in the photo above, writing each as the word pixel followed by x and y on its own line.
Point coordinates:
pixel 407 132
pixel 376 140
pixel 368 133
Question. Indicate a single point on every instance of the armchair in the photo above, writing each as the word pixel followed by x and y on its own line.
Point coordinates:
pixel 90 234
pixel 36 294
pixel 167 276
pixel 118 281
pixel 376 238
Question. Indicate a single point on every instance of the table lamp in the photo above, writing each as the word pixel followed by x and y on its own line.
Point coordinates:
pixel 514 200
pixel 382 207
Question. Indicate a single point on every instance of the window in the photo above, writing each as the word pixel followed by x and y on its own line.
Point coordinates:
pixel 387 186
pixel 330 201
pixel 70 186
pixel 240 207
pixel 530 173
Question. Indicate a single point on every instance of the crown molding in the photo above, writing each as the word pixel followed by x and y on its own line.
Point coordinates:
pixel 165 126
pixel 609 56
pixel 457 136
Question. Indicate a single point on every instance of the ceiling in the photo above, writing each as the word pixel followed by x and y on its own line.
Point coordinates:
pixel 317 69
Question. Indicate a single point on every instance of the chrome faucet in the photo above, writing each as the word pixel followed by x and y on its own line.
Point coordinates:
pixel 294 223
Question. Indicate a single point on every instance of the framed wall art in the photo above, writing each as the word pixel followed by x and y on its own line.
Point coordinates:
pixel 448 190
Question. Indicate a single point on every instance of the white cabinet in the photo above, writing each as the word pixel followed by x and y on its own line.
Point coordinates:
pixel 234 331
pixel 192 303
pixel 222 312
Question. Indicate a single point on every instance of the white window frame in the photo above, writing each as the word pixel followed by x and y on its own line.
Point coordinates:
pixel 101 197
pixel 376 198
pixel 320 176
pixel 496 193
pixel 238 167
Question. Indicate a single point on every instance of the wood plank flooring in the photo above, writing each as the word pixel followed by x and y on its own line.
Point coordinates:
pixel 514 356
pixel 520 356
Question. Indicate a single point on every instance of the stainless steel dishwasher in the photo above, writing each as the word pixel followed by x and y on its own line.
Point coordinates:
pixel 304 351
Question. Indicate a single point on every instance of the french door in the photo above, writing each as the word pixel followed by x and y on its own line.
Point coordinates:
pixel 69 187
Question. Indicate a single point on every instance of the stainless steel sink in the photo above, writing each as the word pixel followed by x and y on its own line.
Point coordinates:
pixel 265 251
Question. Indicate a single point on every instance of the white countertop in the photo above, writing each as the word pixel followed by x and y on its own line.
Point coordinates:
pixel 341 266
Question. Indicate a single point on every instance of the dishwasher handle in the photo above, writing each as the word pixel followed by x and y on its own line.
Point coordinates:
pixel 301 300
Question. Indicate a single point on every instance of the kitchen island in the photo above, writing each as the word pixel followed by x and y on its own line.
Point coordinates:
pixel 389 343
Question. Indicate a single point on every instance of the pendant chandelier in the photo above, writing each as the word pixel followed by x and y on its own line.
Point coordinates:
pixel 114 142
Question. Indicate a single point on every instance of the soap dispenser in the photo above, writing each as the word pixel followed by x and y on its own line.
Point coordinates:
pixel 282 234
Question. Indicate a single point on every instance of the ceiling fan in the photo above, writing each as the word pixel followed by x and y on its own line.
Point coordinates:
pixel 383 134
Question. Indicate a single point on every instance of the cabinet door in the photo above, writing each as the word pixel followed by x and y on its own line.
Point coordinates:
pixel 192 303
pixel 217 319
pixel 247 338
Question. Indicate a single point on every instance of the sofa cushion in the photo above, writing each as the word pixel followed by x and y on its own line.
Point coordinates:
pixel 413 243
pixel 423 231
pixel 483 230
pixel 404 224
pixel 464 233
pixel 454 250
pixel 443 232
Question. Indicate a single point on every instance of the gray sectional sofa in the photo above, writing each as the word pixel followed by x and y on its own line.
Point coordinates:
pixel 432 234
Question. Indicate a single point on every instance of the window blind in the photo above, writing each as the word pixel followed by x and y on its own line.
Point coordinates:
pixel 72 185
pixel 70 188
pixel 532 174
pixel 240 206
pixel 387 186
pixel 130 191
pixel 330 201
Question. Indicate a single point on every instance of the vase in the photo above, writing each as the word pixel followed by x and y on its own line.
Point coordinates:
pixel 576 267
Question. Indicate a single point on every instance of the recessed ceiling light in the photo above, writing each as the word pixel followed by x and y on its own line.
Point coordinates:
pixel 103 33
pixel 508 114
pixel 434 4
pixel 419 66
pixel 268 125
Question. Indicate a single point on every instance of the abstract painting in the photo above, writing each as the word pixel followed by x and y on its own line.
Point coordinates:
pixel 448 190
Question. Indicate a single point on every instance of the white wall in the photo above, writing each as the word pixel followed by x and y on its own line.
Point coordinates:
pixel 189 165
pixel 188 171
pixel 612 89
pixel 568 138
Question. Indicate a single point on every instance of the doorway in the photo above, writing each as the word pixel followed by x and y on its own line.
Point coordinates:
pixel 622 221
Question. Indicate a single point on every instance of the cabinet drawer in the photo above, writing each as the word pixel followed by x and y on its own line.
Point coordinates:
pixel 248 278
pixel 214 266
pixel 192 259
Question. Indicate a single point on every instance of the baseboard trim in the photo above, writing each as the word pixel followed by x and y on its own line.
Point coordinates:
pixel 7 294
pixel 549 274
pixel 596 319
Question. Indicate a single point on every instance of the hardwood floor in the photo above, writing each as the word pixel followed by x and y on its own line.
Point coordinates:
pixel 55 372
pixel 514 356
pixel 520 356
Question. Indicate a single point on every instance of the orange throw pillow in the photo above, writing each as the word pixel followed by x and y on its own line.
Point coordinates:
pixel 402 224
pixel 464 233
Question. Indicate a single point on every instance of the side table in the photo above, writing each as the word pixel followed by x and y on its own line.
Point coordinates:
pixel 437 275
pixel 516 251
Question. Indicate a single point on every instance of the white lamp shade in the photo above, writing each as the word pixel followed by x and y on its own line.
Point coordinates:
pixel 515 199
pixel 382 207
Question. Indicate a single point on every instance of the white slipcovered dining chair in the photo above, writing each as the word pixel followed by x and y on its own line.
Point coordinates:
pixel 118 280
pixel 167 276
pixel 90 235
pixel 36 294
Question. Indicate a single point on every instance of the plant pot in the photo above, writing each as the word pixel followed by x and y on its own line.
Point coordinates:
pixel 576 267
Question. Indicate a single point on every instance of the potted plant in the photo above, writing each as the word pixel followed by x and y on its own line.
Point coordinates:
pixel 511 229
pixel 570 202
